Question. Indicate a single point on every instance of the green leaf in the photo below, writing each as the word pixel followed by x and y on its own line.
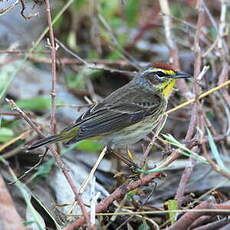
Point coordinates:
pixel 212 33
pixel 26 195
pixel 184 150
pixel 109 8
pixel 131 193
pixel 34 103
pixel 44 169
pixel 144 226
pixel 5 79
pixel 172 205
pixel 6 134
pixel 79 80
pixel 215 151
pixel 114 56
pixel 148 171
pixel 132 10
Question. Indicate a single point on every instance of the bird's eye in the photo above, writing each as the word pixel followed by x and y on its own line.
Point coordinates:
pixel 160 74
pixel 155 77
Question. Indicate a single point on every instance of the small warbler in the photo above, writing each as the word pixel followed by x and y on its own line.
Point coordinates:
pixel 128 114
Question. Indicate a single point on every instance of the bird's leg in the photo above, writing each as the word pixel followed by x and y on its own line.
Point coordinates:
pixel 129 154
pixel 123 158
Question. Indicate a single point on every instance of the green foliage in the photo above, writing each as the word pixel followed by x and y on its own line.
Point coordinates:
pixel 130 194
pixel 5 79
pixel 109 9
pixel 144 226
pixel 132 10
pixel 212 33
pixel 34 103
pixel 215 152
pixel 92 54
pixel 146 172
pixel 76 81
pixel 177 12
pixel 79 4
pixel 172 205
pixel 71 40
pixel 113 56
pixel 6 134
pixel 79 80
pixel 184 150
pixel 96 74
pixel 210 115
pixel 26 195
pixel 44 169
pixel 85 145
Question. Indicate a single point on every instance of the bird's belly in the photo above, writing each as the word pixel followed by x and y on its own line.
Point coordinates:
pixel 133 133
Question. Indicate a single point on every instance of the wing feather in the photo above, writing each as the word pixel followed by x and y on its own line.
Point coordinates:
pixel 104 118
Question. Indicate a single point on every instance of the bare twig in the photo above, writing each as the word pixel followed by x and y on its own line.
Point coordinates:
pixel 205 94
pixel 32 168
pixel 5 10
pixel 23 11
pixel 172 46
pixel 123 189
pixel 93 65
pixel 57 158
pixel 85 183
pixel 150 145
pixel 7 113
pixel 194 117
pixel 53 69
pixel 10 142
pixel 187 219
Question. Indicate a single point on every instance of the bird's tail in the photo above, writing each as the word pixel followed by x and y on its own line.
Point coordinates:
pixel 45 141
pixel 66 135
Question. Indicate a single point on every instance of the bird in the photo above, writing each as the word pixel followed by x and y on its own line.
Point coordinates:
pixel 128 114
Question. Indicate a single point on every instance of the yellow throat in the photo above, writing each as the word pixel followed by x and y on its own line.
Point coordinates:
pixel 167 88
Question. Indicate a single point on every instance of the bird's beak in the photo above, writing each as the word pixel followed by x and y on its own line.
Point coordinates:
pixel 182 75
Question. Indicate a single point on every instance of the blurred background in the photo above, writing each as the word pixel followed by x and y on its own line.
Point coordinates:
pixel 115 39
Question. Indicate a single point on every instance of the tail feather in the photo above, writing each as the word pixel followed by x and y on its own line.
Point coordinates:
pixel 46 140
pixel 67 134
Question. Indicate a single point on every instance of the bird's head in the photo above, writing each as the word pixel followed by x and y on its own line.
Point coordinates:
pixel 163 77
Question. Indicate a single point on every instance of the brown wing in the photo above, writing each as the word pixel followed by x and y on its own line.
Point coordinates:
pixel 107 117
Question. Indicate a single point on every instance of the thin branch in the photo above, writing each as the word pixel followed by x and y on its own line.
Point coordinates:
pixel 205 94
pixel 123 189
pixel 58 159
pixel 172 46
pixel 187 219
pixel 92 65
pixel 53 69
pixel 195 118
pixel 5 10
